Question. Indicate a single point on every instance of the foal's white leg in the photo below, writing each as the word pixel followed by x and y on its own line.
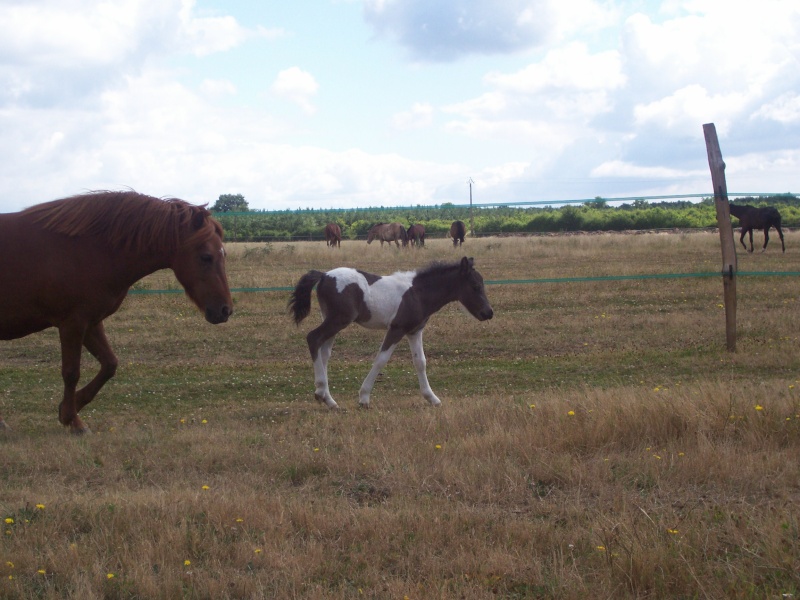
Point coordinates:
pixel 321 391
pixel 380 362
pixel 418 357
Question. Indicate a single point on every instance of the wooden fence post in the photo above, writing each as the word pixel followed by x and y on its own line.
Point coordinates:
pixel 717 166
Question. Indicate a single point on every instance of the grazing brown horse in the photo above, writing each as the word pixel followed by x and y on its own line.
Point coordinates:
pixel 457 231
pixel 69 263
pixel 751 217
pixel 388 232
pixel 333 235
pixel 401 304
pixel 416 235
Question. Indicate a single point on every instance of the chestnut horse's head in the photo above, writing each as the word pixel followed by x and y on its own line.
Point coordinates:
pixel 199 265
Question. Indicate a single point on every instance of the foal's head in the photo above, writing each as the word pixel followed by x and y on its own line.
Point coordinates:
pixel 471 292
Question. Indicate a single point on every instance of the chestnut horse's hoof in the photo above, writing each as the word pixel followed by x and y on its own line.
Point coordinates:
pixel 4 426
pixel 78 427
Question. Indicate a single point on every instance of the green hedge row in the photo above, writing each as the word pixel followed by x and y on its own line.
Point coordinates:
pixel 590 216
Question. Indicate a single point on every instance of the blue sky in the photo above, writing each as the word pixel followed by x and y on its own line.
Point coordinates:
pixel 348 103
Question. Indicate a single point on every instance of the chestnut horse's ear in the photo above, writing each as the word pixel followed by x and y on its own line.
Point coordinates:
pixel 199 215
pixel 467 264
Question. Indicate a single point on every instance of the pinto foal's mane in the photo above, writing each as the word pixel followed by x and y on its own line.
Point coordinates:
pixel 128 220
pixel 438 269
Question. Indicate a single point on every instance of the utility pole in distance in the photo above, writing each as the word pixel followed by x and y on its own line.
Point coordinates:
pixel 471 220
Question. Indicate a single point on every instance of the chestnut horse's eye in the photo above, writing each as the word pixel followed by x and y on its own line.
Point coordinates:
pixel 206 259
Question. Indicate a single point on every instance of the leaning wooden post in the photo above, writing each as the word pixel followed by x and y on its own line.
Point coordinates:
pixel 717 167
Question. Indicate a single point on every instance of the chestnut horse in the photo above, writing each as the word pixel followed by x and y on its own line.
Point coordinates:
pixel 388 232
pixel 457 231
pixel 401 304
pixel 333 235
pixel 416 235
pixel 69 264
pixel 751 218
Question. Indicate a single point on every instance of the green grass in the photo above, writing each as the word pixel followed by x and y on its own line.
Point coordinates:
pixel 595 440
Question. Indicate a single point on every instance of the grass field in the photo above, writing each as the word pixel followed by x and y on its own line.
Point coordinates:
pixel 595 439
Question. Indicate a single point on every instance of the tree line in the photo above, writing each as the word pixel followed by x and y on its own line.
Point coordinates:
pixel 596 215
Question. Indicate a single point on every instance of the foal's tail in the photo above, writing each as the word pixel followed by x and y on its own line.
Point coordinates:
pixel 300 302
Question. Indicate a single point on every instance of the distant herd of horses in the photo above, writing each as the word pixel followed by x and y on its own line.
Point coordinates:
pixel 750 218
pixel 414 236
pixel 70 263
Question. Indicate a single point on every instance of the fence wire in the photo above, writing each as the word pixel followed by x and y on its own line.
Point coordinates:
pixel 139 291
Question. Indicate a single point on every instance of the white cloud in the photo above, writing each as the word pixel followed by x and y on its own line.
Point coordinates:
pixel 217 87
pixel 443 31
pixel 85 33
pixel 490 104
pixel 297 86
pixel 203 35
pixel 785 109
pixel 571 67
pixel 617 168
pixel 51 52
pixel 419 117
pixel 688 107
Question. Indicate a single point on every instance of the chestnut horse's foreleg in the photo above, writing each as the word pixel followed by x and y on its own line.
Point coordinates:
pixel 743 232
pixel 780 235
pixel 97 344
pixel 71 337
pixel 389 343
pixel 418 358
pixel 766 238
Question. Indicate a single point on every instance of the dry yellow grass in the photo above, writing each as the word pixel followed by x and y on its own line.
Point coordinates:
pixel 595 440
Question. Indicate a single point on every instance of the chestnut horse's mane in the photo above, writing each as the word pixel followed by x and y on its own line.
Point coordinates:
pixel 128 220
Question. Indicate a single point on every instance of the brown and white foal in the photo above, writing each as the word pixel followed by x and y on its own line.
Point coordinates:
pixel 401 303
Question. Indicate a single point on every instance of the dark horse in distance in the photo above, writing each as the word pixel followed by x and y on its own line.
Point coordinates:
pixel 457 231
pixel 400 304
pixel 416 235
pixel 333 235
pixel 751 217
pixel 69 264
pixel 388 232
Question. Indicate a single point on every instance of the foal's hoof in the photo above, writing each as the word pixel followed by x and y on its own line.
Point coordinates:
pixel 332 405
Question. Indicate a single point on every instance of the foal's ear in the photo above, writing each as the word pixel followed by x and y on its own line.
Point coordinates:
pixel 467 264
